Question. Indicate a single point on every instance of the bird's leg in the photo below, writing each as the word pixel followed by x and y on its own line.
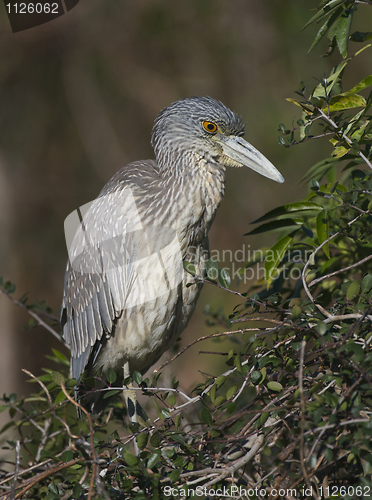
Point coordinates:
pixel 130 401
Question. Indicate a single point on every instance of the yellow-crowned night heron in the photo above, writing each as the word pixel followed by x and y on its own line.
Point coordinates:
pixel 125 296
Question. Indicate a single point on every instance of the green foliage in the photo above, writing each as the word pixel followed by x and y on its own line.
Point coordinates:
pixel 291 405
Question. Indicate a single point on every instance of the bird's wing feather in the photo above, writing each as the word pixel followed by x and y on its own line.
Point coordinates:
pixel 99 273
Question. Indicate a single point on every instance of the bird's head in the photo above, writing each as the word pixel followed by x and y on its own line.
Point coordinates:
pixel 206 127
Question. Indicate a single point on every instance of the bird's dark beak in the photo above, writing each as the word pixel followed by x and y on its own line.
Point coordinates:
pixel 238 150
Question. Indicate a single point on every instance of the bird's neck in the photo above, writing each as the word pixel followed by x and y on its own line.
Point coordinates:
pixel 196 186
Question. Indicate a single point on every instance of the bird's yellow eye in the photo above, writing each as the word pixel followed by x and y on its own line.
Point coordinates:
pixel 210 126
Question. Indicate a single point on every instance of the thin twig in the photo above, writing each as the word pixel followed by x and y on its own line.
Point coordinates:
pixel 52 408
pixel 25 471
pixel 337 424
pixel 341 317
pixel 243 319
pixel 150 389
pixel 178 409
pixel 339 403
pixel 314 282
pixel 39 477
pixel 265 409
pixel 234 292
pixel 239 463
pixel 207 337
pixel 302 399
pixel 344 136
pixel 326 313
pixel 17 465
pixel 34 315
pixel 95 474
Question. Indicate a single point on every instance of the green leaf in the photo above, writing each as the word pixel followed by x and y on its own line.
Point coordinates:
pixel 172 399
pixel 276 224
pixel 290 208
pixel 9 287
pixel 111 376
pixel 238 364
pixel 341 102
pixel 60 397
pixel 332 81
pixel 76 491
pixel 212 393
pixel 152 460
pixel 275 253
pixel 231 408
pixel 325 27
pixel 322 227
pixel 142 439
pixel 212 269
pixel 360 36
pixel 219 400
pixel 220 381
pixel 357 350
pixel 206 416
pixel 340 151
pixel 256 377
pixel 320 169
pixel 130 459
pixel 155 439
pixel 231 392
pixel 61 357
pixel 7 426
pixel 174 475
pixel 366 82
pixel 359 132
pixel 307 107
pixel 190 268
pixel 321 328
pixel 296 312
pixel 224 278
pixel 165 412
pixel 67 456
pixel 327 9
pixel 230 354
pixel 108 394
pixel 296 346
pixel 137 377
pixel 274 386
pixel 343 31
pixel 366 283
pixel 353 290
pixel 57 378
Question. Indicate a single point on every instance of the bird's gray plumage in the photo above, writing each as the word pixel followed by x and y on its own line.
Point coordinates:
pixel 115 310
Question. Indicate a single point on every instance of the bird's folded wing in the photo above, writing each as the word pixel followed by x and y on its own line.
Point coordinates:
pixel 99 274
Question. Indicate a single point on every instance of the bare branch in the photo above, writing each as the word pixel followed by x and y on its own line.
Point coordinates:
pixel 302 399
pixel 34 315
pixel 356 264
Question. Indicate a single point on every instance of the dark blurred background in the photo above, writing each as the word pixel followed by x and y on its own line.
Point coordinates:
pixel 78 97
